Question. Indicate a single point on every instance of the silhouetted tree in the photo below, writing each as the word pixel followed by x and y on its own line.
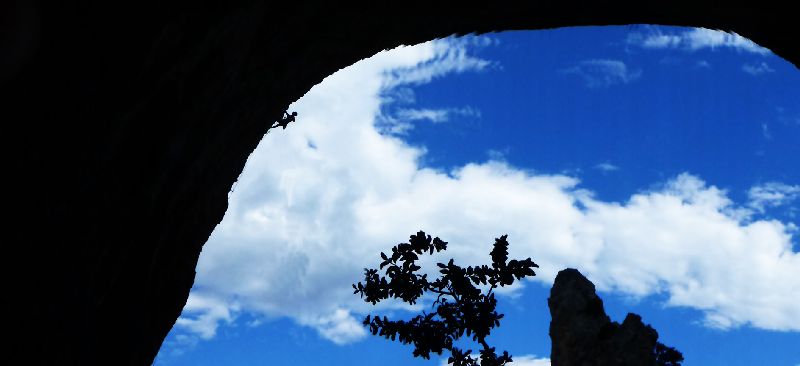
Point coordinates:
pixel 285 120
pixel 667 356
pixel 461 307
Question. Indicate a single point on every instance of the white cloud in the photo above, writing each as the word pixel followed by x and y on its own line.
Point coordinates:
pixel 757 69
pixel 435 115
pixel 401 120
pixel 603 72
pixel 340 327
pixel 437 59
pixel 694 39
pixel 682 241
pixel 606 167
pixel 202 313
pixel 530 360
pixel 498 154
pixel 772 194
pixel 318 201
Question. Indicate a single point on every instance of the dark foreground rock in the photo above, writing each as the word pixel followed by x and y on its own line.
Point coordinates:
pixel 125 124
pixel 583 335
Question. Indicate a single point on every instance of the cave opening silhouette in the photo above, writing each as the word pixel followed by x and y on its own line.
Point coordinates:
pixel 128 124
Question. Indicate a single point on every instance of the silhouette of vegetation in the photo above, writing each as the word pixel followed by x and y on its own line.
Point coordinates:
pixel 285 120
pixel 667 356
pixel 461 307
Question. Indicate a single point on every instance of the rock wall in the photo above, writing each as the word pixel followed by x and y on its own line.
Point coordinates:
pixel 583 335
pixel 125 123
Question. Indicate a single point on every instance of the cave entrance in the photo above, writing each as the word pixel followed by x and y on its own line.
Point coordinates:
pixel 649 157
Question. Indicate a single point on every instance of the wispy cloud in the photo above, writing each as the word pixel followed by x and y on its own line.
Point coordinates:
pixel 401 120
pixel 606 167
pixel 757 69
pixel 433 115
pixel 694 39
pixel 703 64
pixel 498 154
pixel 772 194
pixel 436 115
pixel 765 131
pixel 603 72
pixel 441 58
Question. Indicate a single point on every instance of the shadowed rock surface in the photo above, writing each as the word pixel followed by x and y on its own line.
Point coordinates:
pixel 583 335
pixel 127 122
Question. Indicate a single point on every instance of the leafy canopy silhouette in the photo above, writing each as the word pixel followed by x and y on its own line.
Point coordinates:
pixel 460 305
pixel 667 356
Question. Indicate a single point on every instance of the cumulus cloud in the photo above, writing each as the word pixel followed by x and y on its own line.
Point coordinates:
pixel 318 201
pixel 603 72
pixel 694 39
pixel 686 241
pixel 202 314
pixel 340 326
pixel 757 69
pixel 296 198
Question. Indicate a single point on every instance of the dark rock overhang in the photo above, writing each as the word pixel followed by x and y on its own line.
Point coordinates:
pixel 125 126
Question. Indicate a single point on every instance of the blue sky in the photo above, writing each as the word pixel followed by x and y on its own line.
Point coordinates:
pixel 661 162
